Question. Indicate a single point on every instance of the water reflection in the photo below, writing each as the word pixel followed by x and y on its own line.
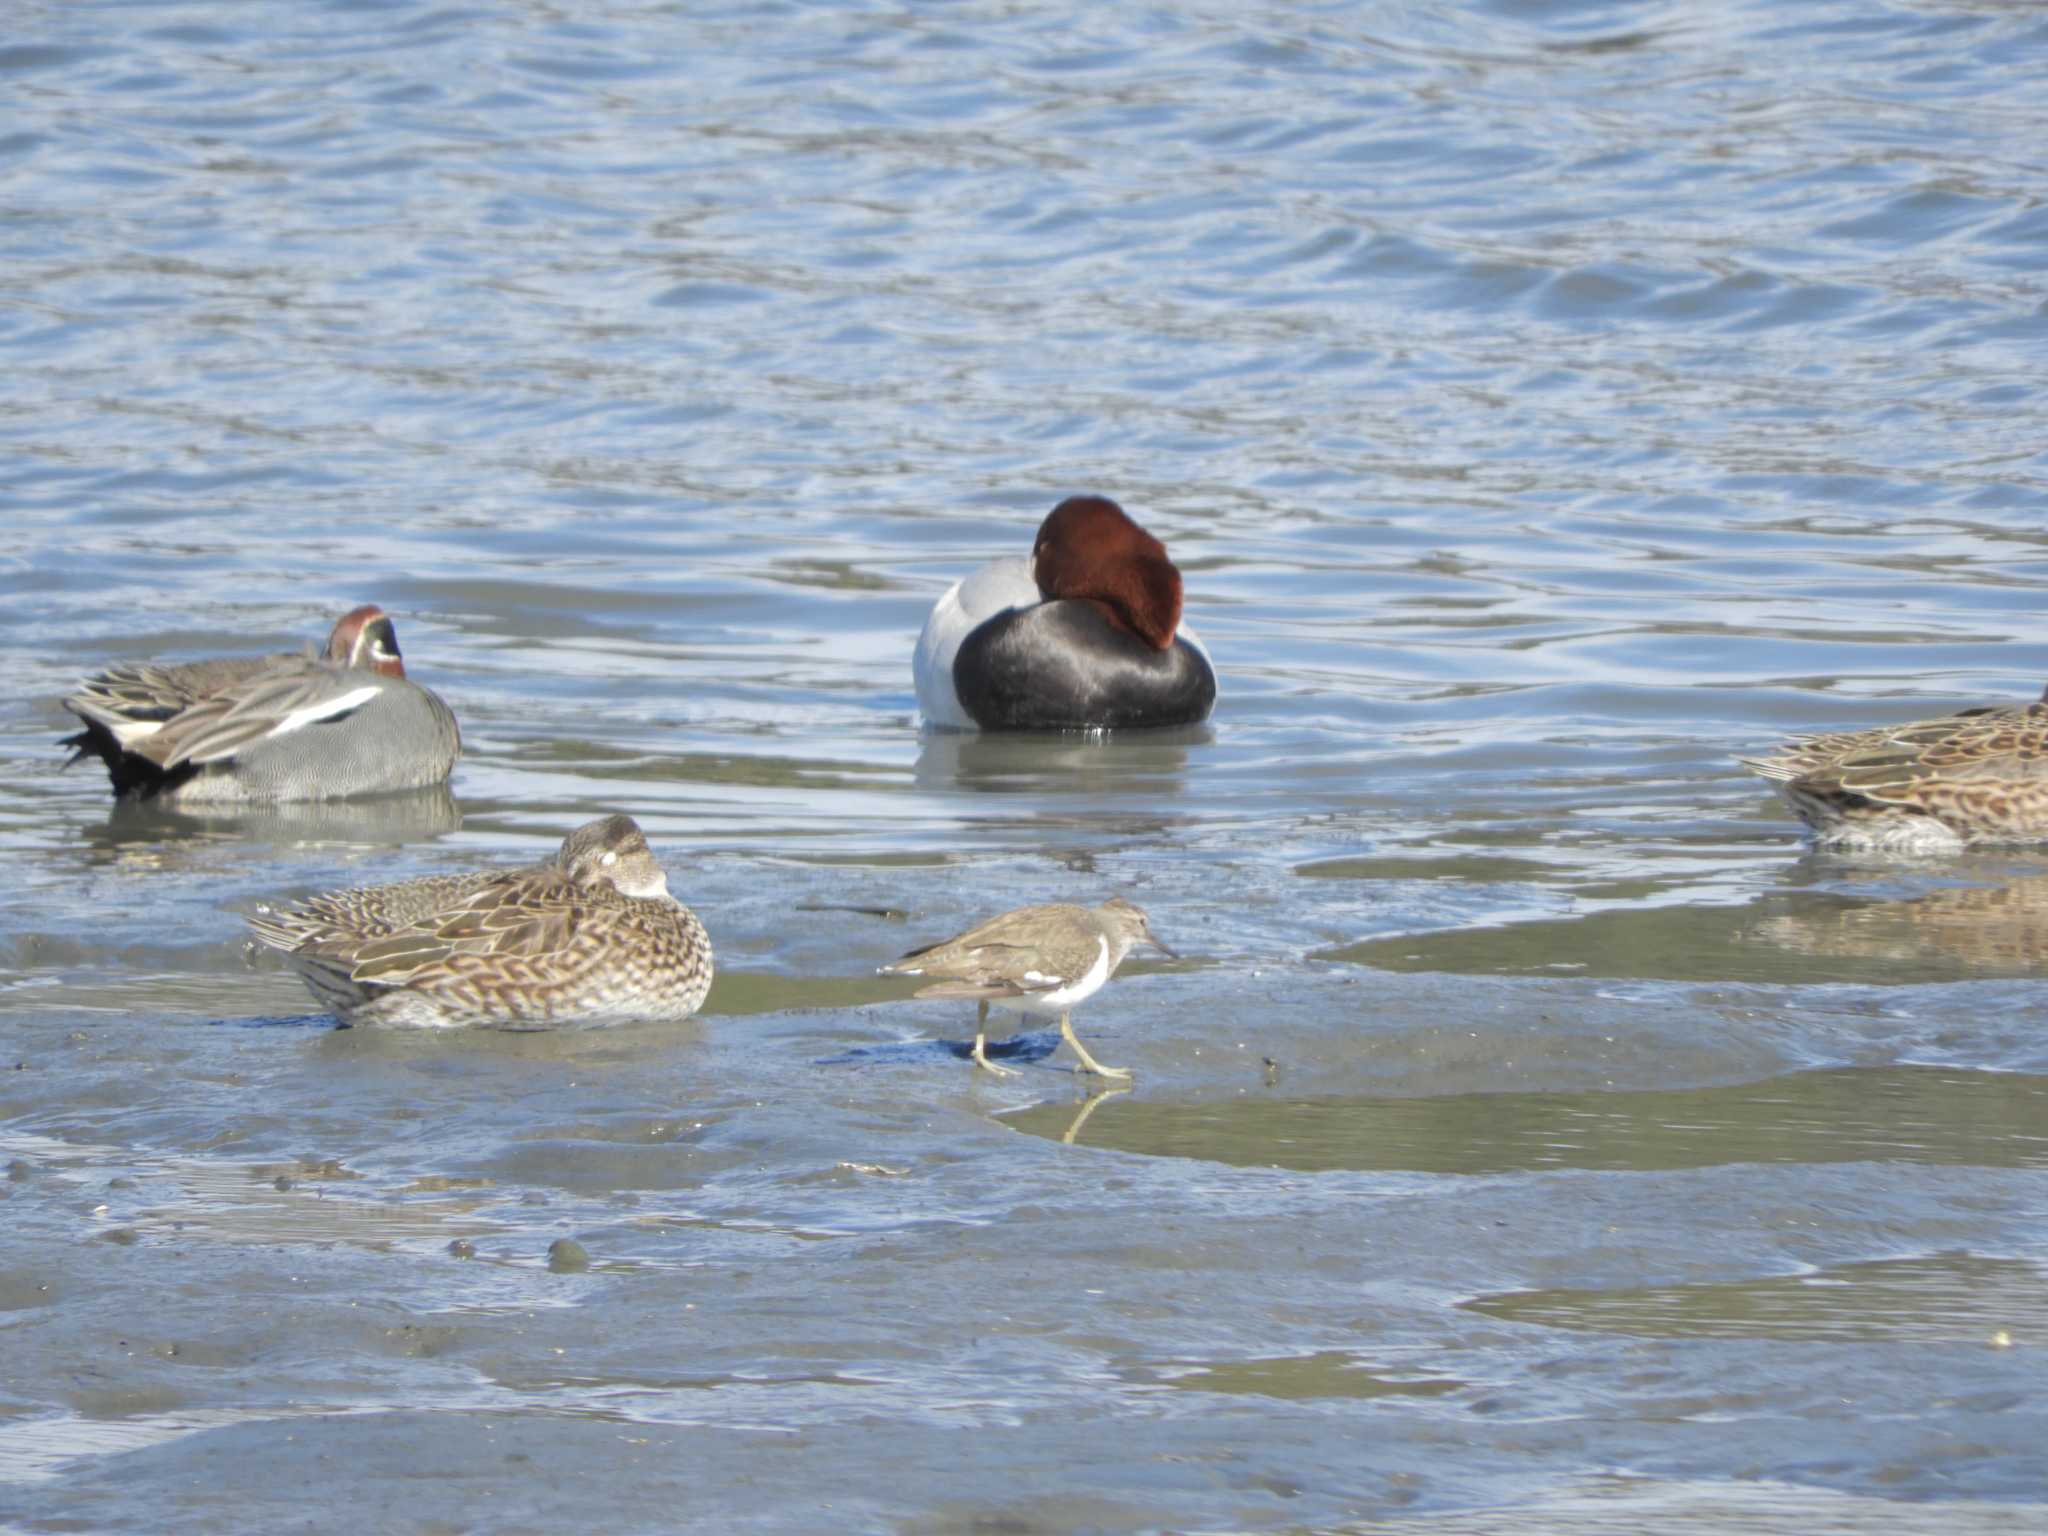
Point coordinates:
pixel 383 821
pixel 1805 934
pixel 1983 930
pixel 1924 1299
pixel 1923 1115
pixel 1295 1378
pixel 1124 762
pixel 1071 1135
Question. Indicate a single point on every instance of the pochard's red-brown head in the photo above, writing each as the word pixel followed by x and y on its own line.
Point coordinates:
pixel 365 637
pixel 1088 548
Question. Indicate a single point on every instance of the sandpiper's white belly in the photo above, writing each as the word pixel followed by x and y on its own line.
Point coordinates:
pixel 1056 1002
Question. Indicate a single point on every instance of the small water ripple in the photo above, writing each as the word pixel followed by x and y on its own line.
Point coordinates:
pixel 1545 403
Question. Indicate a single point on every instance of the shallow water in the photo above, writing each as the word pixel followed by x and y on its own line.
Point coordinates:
pixel 1545 402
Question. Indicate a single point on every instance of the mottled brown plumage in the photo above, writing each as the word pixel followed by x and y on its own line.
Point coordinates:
pixel 590 937
pixel 1980 776
pixel 1037 961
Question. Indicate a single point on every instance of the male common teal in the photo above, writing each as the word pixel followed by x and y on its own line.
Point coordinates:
pixel 263 728
pixel 1931 786
pixel 1037 961
pixel 1085 635
pixel 590 937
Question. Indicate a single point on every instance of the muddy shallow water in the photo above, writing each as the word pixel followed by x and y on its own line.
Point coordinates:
pixel 1545 403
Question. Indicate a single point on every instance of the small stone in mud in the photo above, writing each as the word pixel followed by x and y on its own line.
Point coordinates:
pixel 462 1248
pixel 566 1256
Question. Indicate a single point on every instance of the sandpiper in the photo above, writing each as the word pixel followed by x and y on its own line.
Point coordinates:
pixel 1037 961
pixel 262 728
pixel 1930 786
pixel 590 937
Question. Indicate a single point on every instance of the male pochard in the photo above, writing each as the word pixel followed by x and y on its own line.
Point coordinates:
pixel 1085 635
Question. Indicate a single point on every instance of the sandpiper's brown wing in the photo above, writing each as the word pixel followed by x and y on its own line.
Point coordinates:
pixel 1002 928
pixel 1033 949
pixel 983 990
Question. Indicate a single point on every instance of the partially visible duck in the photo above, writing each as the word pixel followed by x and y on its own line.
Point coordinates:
pixel 259 728
pixel 1931 786
pixel 590 937
pixel 1085 635
pixel 1037 961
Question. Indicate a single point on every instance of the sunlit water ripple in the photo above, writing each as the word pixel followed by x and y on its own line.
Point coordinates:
pixel 1545 403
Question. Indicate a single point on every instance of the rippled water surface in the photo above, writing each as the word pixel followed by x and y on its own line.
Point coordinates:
pixel 1545 402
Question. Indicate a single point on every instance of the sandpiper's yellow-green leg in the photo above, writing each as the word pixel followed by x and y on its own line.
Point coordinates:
pixel 1088 1063
pixel 981 1058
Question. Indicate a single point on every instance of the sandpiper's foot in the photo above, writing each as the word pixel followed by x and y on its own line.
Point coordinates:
pixel 1089 1063
pixel 981 1059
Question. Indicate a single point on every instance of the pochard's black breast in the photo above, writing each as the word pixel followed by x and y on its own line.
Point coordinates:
pixel 1062 666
